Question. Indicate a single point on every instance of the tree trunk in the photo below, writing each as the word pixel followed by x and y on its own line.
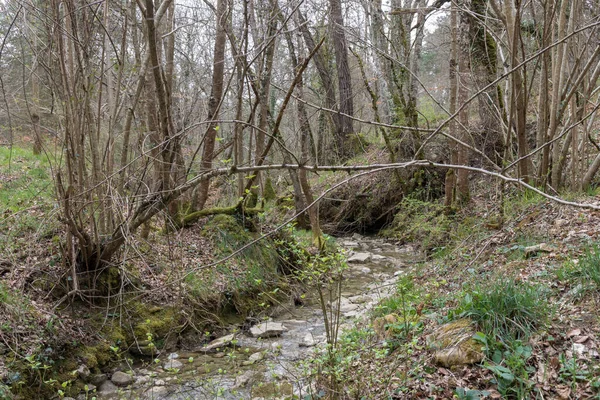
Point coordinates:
pixel 344 78
pixel 214 102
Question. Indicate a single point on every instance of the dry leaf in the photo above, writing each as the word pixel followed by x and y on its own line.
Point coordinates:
pixel 582 339
pixel 563 391
pixel 573 332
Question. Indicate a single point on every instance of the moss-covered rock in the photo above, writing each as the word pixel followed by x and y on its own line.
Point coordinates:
pixel 453 344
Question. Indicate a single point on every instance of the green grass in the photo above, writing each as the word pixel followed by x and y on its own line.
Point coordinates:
pixel 26 199
pixel 25 180
pixel 585 274
pixel 507 308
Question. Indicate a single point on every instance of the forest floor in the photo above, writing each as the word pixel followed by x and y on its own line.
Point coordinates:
pixel 529 286
pixel 528 289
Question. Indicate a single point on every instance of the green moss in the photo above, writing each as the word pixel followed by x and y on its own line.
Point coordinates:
pixel 93 356
pixel 269 193
pixel 156 321
pixel 421 222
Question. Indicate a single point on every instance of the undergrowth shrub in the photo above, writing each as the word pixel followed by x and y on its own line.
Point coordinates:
pixel 421 222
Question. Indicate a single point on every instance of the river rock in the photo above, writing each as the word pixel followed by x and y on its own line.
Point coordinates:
pixel 349 244
pixel 173 364
pixel 156 392
pixel 83 371
pixel 359 257
pixel 307 341
pixel 217 343
pixel 244 380
pixel 173 356
pixel 344 305
pixel 359 299
pixel 106 388
pixel 365 270
pixel 142 380
pixel 267 329
pixel 254 357
pixel 121 378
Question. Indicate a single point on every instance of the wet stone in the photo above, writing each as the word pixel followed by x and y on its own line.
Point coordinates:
pixel 267 329
pixel 359 258
pixel 98 379
pixel 244 380
pixel 218 343
pixel 121 378
pixel 107 387
pixel 83 371
pixel 173 364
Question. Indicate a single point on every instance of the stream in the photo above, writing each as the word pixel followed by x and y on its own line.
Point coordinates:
pixel 245 367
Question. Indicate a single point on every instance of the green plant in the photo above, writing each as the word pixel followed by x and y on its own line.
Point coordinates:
pixel 324 272
pixel 507 308
pixel 421 222
pixel 571 372
pixel 583 273
pixel 404 304
pixel 590 267
pixel 510 367
pixel 469 394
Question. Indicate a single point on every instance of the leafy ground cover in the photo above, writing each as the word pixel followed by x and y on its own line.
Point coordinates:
pixel 528 288
pixel 182 287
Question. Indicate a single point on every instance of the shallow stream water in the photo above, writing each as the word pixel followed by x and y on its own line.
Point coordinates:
pixel 252 368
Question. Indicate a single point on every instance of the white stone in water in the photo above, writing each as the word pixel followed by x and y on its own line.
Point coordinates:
pixel 267 329
pixel 244 379
pixel 156 392
pixel 351 314
pixel 365 270
pixel 344 305
pixel 217 343
pixel 359 257
pixel 256 356
pixel 173 364
pixel 173 356
pixel 307 341
pixel 350 244
pixel 360 299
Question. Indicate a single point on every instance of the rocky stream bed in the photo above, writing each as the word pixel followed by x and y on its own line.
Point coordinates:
pixel 261 363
